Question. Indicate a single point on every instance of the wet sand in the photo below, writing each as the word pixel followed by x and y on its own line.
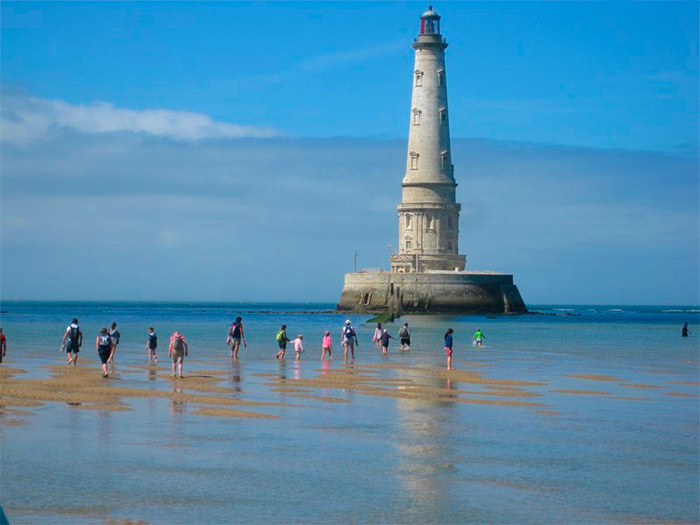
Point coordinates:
pixel 82 388
pixel 593 377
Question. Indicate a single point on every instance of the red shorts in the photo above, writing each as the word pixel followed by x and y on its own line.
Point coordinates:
pixel 448 351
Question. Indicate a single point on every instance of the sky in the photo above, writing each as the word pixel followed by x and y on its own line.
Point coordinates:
pixel 244 151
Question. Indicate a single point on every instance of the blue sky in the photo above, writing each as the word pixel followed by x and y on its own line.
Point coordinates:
pixel 243 150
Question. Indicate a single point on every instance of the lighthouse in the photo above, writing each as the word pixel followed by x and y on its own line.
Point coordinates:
pixel 428 212
pixel 428 274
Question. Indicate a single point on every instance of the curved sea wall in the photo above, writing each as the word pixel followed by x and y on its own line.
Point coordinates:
pixel 434 292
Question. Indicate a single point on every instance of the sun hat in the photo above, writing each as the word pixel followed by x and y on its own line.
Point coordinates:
pixel 347 322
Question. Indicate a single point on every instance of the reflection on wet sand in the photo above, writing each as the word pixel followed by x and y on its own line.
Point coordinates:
pixel 177 406
pixel 450 386
pixel 425 427
pixel 104 428
pixel 235 376
pixel 325 367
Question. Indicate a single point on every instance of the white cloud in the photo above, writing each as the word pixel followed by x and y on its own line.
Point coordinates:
pixel 280 218
pixel 25 119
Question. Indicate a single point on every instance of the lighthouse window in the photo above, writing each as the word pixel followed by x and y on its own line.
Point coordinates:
pixel 414 160
pixel 441 77
pixel 419 78
pixel 445 159
pixel 408 221
pixel 449 222
pixel 443 115
pixel 416 117
pixel 408 245
pixel 449 245
pixel 429 222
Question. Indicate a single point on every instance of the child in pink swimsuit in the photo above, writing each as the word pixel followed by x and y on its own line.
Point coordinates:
pixel 327 345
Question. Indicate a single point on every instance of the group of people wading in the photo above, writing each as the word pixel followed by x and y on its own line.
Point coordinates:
pixel 107 341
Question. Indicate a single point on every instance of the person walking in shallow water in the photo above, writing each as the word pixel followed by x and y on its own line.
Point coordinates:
pixel 684 331
pixel 448 347
pixel 385 341
pixel 326 345
pixel 377 337
pixel 3 345
pixel 151 346
pixel 235 336
pixel 478 337
pixel 72 341
pixel 115 335
pixel 298 345
pixel 349 339
pixel 177 351
pixel 405 337
pixel 104 344
pixel 282 341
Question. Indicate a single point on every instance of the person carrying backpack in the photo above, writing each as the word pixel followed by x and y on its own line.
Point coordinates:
pixel 115 335
pixel 405 337
pixel 104 344
pixel 177 352
pixel 348 338
pixel 72 341
pixel 282 341
pixel 235 336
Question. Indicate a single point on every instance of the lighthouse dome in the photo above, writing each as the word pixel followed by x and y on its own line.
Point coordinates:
pixel 430 14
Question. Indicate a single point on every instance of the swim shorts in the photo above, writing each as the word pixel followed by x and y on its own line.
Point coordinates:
pixel 448 351
pixel 104 355
pixel 178 356
pixel 406 341
pixel 283 345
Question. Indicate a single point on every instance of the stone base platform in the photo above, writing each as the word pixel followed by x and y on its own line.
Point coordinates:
pixel 430 292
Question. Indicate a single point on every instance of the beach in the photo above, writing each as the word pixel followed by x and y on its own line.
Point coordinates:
pixel 579 415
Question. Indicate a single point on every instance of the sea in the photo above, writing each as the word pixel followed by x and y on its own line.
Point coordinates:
pixel 614 437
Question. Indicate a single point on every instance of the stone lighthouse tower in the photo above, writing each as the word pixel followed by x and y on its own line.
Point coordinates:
pixel 428 212
pixel 428 274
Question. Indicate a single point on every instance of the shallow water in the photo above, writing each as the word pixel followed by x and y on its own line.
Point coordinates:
pixel 622 448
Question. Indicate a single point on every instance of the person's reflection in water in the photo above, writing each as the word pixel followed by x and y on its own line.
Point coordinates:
pixel 325 367
pixel 297 370
pixel 151 374
pixel 104 428
pixel 450 385
pixel 430 449
pixel 283 369
pixel 234 375
pixel 176 407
